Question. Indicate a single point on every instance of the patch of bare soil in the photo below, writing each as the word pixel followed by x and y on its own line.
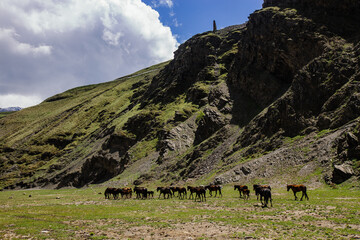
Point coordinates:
pixel 190 230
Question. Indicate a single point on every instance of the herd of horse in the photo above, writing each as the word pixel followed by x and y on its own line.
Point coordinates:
pixel 199 193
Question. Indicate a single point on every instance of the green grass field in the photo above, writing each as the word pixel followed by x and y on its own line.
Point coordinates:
pixel 85 214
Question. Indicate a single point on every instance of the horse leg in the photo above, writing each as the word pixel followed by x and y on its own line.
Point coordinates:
pixel 220 192
pixel 295 195
pixel 306 196
pixel 266 201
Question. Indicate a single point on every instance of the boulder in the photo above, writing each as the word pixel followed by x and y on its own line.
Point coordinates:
pixel 342 173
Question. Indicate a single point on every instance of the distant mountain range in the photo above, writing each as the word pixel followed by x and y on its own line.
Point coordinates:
pixel 10 109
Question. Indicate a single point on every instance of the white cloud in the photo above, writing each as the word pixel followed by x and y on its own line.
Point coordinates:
pixel 169 3
pixel 158 3
pixel 8 39
pixel 14 100
pixel 48 46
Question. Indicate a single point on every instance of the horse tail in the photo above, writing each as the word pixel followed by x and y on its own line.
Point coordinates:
pixel 307 197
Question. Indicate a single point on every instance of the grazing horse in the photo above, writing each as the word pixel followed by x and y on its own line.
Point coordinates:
pixel 111 191
pixel 298 188
pixel 141 192
pixel 200 193
pixel 150 194
pixel 266 194
pixel 241 189
pixel 214 188
pixel 192 190
pixel 127 192
pixel 182 192
pixel 246 193
pixel 164 191
pixel 174 190
pixel 258 187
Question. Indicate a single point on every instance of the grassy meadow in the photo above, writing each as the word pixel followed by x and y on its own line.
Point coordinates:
pixel 85 214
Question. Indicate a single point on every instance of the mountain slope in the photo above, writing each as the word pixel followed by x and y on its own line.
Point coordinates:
pixel 274 98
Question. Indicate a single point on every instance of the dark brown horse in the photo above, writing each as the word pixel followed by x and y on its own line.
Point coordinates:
pixel 241 189
pixel 298 188
pixel 108 192
pixel 126 192
pixel 214 188
pixel 258 187
pixel 246 193
pixel 266 194
pixel 150 194
pixel 192 190
pixel 112 191
pixel 141 192
pixel 166 191
pixel 200 193
pixel 182 193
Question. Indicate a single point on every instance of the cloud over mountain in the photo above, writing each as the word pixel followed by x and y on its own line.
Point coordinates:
pixel 48 46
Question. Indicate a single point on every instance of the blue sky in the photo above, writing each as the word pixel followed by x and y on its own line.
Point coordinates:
pixel 189 17
pixel 50 46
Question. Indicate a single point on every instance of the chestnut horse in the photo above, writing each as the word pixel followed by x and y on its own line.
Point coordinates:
pixel 298 188
pixel 127 192
pixel 241 189
pixel 246 193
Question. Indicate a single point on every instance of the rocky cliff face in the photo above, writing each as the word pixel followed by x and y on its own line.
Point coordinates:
pixel 277 96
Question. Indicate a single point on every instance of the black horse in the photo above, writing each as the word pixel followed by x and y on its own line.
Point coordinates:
pixel 257 189
pixel 266 194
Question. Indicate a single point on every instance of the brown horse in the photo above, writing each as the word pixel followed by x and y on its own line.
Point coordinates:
pixel 127 192
pixel 166 191
pixel 241 189
pixel 182 193
pixel 192 190
pixel 200 193
pixel 258 187
pixel 214 188
pixel 141 192
pixel 112 191
pixel 298 188
pixel 180 190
